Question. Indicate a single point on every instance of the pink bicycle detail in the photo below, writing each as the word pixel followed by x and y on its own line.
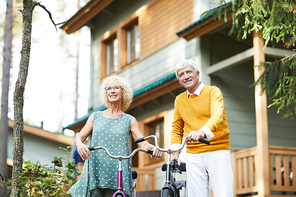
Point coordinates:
pixel 119 192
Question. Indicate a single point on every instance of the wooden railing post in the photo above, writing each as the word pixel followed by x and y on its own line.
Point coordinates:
pixel 234 170
pixel 261 120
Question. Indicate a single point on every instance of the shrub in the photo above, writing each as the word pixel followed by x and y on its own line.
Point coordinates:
pixel 41 180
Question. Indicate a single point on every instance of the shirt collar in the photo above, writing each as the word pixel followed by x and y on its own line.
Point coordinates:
pixel 197 91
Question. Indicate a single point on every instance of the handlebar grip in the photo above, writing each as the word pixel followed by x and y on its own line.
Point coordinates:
pixel 139 140
pixel 150 152
pixel 204 141
pixel 91 148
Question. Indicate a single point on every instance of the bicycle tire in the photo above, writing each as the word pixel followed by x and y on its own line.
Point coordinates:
pixel 166 192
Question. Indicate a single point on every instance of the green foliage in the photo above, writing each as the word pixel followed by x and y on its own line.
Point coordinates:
pixel 279 81
pixel 277 20
pixel 41 180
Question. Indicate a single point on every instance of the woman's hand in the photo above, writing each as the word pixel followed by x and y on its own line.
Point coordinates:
pixel 82 149
pixel 156 153
pixel 84 152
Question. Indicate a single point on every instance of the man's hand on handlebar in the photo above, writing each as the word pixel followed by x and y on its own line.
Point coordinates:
pixel 195 136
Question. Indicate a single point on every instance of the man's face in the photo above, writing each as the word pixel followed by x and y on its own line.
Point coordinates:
pixel 188 78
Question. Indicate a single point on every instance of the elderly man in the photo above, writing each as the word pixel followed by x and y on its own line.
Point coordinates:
pixel 200 113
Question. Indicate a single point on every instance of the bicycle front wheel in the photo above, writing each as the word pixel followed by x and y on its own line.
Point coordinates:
pixel 166 192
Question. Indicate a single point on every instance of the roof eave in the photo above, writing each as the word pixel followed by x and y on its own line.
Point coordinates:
pixel 84 15
pixel 44 134
pixel 201 27
pixel 205 24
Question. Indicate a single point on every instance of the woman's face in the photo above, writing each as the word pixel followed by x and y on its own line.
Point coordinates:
pixel 114 92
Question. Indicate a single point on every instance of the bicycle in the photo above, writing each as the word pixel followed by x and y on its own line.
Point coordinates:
pixel 119 192
pixel 171 187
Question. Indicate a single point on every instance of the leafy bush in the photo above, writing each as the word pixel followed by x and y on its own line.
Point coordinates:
pixel 41 180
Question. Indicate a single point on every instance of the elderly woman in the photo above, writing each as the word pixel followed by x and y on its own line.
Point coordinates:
pixel 110 128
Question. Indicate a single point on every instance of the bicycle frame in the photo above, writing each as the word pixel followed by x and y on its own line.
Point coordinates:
pixel 119 171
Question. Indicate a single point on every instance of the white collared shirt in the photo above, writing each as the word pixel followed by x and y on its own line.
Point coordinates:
pixel 197 91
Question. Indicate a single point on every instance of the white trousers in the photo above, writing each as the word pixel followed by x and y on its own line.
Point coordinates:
pixel 212 166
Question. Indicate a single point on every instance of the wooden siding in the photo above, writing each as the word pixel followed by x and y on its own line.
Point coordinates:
pixel 152 68
pixel 160 22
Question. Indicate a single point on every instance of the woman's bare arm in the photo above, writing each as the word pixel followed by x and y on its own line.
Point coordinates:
pixel 136 133
pixel 81 137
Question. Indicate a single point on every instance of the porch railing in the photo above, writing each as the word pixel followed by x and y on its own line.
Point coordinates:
pixel 144 182
pixel 282 164
pixel 146 179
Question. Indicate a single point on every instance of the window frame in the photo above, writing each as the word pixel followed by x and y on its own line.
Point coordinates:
pixel 104 41
pixel 133 29
pixel 111 67
pixel 120 32
pixel 144 159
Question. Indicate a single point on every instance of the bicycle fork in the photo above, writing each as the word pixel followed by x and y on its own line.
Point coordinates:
pixel 119 180
pixel 168 181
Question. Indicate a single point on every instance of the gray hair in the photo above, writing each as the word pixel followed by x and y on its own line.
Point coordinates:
pixel 185 62
pixel 127 91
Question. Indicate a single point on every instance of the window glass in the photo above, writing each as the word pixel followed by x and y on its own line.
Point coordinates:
pixel 115 56
pixel 112 56
pixel 133 43
pixel 157 129
pixel 137 42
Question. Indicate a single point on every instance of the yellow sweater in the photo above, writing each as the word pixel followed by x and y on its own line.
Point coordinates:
pixel 194 112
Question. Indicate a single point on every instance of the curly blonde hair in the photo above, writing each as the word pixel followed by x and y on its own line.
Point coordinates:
pixel 127 91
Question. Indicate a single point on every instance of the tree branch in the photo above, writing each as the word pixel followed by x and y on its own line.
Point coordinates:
pixel 48 12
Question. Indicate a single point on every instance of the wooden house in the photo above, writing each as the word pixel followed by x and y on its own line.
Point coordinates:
pixel 39 145
pixel 142 40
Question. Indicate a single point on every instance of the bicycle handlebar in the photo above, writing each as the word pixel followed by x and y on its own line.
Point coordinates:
pixel 121 157
pixel 167 150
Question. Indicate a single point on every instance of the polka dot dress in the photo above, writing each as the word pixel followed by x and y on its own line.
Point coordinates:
pixel 100 171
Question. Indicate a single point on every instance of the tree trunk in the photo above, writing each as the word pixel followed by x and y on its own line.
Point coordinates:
pixel 18 141
pixel 77 72
pixel 5 90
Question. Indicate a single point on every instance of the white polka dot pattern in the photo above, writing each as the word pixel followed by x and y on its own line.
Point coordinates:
pixel 100 171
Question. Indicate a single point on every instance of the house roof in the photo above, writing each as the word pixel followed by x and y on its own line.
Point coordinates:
pixel 44 134
pixel 204 25
pixel 84 15
pixel 166 79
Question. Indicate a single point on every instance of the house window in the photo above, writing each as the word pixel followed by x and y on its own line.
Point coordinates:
pixel 154 125
pixel 112 56
pixel 133 42
pixel 157 129
pixel 120 47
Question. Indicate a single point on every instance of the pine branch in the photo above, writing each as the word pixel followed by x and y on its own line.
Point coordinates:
pixel 279 82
